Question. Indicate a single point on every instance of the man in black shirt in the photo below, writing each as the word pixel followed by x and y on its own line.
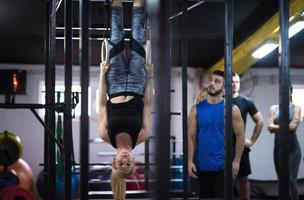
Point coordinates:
pixel 246 106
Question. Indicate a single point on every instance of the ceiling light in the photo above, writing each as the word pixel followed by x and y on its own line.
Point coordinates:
pixel 269 46
pixel 295 28
pixel 264 50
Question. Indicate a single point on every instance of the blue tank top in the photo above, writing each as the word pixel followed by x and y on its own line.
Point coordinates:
pixel 210 136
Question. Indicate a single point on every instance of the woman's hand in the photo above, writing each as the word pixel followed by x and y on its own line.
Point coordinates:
pixel 104 68
pixel 248 142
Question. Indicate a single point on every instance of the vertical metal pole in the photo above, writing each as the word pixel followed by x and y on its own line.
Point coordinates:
pixel 173 140
pixel 228 99
pixel 67 137
pixel 284 101
pixel 184 56
pixel 171 32
pixel 84 119
pixel 50 164
pixel 160 35
pixel 147 142
pixel 147 164
pixel 47 64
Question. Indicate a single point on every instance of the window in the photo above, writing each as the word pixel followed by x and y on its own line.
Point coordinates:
pixel 60 88
pixel 298 98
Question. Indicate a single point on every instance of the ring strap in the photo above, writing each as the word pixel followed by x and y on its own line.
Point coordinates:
pixel 138 48
pixel 117 48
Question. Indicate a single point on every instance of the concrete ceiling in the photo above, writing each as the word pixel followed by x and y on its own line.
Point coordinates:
pixel 22 27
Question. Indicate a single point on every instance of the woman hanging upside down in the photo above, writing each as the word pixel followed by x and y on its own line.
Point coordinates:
pixel 124 118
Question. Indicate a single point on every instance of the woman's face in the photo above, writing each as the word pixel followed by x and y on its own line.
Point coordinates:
pixel 124 161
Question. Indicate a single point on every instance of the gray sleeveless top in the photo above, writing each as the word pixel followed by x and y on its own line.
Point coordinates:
pixel 293 141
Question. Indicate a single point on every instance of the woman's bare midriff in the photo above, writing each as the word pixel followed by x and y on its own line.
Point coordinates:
pixel 121 99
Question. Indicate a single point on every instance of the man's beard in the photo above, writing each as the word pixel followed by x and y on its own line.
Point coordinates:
pixel 216 93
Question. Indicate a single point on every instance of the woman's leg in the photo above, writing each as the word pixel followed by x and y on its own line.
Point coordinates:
pixel 294 163
pixel 116 3
pixel 137 74
pixel 138 22
pixel 117 31
pixel 138 3
pixel 276 156
pixel 116 77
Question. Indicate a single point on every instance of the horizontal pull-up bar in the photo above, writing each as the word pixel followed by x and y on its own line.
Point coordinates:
pixel 91 38
pixel 91 29
pixel 27 106
pixel 123 1
pixel 198 3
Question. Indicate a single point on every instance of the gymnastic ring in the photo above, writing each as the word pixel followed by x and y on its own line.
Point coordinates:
pixel 11 148
pixel 105 52
pixel 148 52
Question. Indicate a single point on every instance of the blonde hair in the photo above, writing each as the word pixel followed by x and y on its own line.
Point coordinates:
pixel 118 181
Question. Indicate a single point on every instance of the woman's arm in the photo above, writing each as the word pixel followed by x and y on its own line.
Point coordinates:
pixel 293 125
pixel 102 114
pixel 145 131
pixel 273 128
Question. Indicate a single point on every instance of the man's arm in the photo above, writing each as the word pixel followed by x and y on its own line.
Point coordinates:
pixel 238 128
pixel 259 122
pixel 200 96
pixel 145 131
pixel 102 114
pixel 273 128
pixel 192 131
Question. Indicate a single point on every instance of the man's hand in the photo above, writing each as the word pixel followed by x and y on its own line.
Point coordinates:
pixel 104 68
pixel 191 169
pixel 235 168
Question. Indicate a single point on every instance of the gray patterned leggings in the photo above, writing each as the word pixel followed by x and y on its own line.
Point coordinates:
pixel 127 75
pixel 294 162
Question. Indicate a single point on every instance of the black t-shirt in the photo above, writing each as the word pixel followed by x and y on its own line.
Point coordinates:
pixel 125 117
pixel 245 105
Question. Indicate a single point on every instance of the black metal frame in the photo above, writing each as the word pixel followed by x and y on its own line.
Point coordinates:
pixel 84 119
pixel 50 63
pixel 228 97
pixel 228 82
pixel 46 57
pixel 184 57
pixel 284 94
pixel 147 166
pixel 50 106
pixel 27 106
pixel 228 182
pixel 67 116
pixel 47 129
pixel 32 107
pixel 157 10
pixel 160 18
pixel 284 101
pixel 196 4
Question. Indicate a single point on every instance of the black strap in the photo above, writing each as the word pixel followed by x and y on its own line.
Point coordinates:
pixel 117 48
pixel 138 48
